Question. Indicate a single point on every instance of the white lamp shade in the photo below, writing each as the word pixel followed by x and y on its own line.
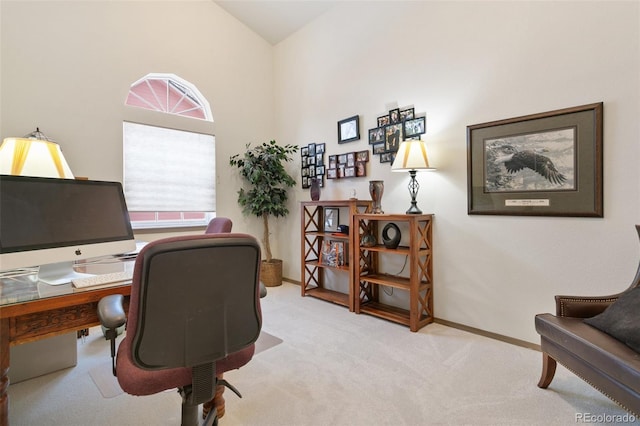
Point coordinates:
pixel 412 155
pixel 33 157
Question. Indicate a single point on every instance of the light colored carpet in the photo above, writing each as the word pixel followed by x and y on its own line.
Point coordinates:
pixel 337 368
pixel 108 384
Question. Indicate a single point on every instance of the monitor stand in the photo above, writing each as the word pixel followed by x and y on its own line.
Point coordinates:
pixel 59 273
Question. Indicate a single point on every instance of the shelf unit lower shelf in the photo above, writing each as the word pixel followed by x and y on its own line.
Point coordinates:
pixel 328 295
pixel 392 313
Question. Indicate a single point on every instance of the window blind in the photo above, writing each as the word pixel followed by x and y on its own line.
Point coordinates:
pixel 168 170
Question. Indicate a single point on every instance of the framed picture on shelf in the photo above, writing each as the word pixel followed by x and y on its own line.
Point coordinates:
pixel 349 129
pixel 415 127
pixel 332 253
pixel 546 164
pixel 331 219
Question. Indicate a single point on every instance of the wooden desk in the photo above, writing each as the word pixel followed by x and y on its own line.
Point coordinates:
pixel 30 311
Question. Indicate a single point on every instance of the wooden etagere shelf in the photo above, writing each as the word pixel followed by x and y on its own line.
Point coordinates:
pixel 313 235
pixel 419 283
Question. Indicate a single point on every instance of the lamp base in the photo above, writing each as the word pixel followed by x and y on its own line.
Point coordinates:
pixel 413 190
pixel 414 209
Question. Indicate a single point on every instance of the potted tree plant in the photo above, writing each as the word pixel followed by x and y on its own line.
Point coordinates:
pixel 263 169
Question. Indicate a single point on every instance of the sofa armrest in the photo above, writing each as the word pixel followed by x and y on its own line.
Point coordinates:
pixel 583 306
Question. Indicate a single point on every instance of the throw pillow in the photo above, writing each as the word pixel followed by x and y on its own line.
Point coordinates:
pixel 621 319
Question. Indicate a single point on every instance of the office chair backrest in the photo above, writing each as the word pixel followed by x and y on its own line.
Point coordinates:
pixel 194 300
pixel 218 225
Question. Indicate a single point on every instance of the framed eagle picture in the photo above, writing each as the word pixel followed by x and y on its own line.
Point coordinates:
pixel 546 164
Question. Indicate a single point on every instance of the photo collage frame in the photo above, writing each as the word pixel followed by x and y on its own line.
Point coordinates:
pixel 392 129
pixel 348 165
pixel 312 164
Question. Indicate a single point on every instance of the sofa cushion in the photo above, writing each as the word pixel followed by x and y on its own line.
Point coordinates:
pixel 621 319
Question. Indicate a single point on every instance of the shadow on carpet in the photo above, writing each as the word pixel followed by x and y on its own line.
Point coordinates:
pixel 108 385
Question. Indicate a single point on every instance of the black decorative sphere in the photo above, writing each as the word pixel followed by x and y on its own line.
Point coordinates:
pixel 392 241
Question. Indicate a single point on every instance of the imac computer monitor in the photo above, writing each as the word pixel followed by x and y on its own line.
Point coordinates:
pixel 51 223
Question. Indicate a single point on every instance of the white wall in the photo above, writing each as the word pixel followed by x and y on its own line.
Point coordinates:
pixel 464 63
pixel 67 67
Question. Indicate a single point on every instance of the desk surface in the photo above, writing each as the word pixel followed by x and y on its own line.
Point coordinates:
pixel 31 310
pixel 26 288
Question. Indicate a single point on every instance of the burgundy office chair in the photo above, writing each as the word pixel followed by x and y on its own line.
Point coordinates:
pixel 218 225
pixel 224 224
pixel 194 313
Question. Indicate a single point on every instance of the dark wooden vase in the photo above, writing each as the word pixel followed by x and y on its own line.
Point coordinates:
pixel 376 188
pixel 315 189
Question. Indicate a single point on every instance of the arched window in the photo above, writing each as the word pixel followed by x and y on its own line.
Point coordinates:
pixel 169 93
pixel 169 169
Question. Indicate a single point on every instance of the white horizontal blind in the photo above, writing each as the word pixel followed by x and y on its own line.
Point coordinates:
pixel 168 170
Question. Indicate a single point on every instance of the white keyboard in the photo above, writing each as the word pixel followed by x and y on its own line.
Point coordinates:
pixel 102 279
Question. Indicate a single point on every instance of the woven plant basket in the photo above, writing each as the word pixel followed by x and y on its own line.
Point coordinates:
pixel 271 272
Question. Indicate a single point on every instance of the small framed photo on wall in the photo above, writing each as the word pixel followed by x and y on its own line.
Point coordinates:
pixel 349 129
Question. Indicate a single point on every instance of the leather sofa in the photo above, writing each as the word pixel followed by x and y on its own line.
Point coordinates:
pixel 607 364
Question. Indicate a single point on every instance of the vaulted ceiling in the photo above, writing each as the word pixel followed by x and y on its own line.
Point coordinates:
pixel 275 20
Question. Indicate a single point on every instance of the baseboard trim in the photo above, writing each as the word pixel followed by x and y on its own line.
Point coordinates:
pixel 478 331
pixel 496 336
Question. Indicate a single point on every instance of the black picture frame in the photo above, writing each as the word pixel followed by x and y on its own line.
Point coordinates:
pixel 377 148
pixel 415 127
pixel 387 157
pixel 383 120
pixel 376 135
pixel 394 116
pixel 392 137
pixel 407 114
pixel 566 145
pixel 331 219
pixel 349 129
